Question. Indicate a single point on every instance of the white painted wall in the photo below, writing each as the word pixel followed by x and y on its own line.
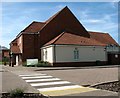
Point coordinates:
pixel 65 53
pixel 17 60
pixel 49 50
pixel 86 53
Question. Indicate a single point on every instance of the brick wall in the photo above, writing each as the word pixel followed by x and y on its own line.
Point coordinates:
pixel 64 21
pixel 30 47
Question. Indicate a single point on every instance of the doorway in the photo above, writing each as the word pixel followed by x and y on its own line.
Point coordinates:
pixel 114 58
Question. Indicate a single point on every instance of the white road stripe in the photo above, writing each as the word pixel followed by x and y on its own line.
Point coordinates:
pixel 38 80
pixel 36 77
pixel 49 83
pixel 32 75
pixel 59 88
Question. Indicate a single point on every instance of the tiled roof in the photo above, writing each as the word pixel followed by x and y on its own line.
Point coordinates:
pixel 68 38
pixel 102 37
pixel 15 49
pixel 34 27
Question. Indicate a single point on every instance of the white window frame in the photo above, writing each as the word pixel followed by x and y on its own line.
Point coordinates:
pixel 76 54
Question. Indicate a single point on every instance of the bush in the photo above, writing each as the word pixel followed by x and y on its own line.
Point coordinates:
pixel 40 64
pixel 18 92
pixel 25 64
pixel 98 62
pixel 5 60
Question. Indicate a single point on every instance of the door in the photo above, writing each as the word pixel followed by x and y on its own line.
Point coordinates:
pixel 113 58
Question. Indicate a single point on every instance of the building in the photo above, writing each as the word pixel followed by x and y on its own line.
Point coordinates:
pixel 5 55
pixel 63 41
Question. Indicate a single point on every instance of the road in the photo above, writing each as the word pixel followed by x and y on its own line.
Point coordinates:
pixel 79 76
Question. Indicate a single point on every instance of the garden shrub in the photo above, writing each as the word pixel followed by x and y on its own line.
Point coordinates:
pixel 98 62
pixel 18 92
pixel 39 64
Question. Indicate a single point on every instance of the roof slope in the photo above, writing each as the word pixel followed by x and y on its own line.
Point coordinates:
pixel 68 38
pixel 103 38
pixel 34 27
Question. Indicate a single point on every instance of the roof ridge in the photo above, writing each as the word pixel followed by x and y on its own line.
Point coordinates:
pixel 97 32
pixel 53 16
pixel 87 38
pixel 29 26
pixel 81 40
pixel 38 22
pixel 25 28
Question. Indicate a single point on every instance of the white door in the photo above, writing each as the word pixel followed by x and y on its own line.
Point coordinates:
pixel 16 59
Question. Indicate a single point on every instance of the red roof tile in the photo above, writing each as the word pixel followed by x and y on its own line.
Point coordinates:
pixel 102 37
pixel 72 39
pixel 34 27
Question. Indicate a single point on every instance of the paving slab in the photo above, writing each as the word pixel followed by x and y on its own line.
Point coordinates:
pixel 11 81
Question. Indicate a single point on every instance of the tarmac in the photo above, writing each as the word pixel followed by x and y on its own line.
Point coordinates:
pixel 12 80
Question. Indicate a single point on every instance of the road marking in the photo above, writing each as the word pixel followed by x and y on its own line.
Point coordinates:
pixel 50 83
pixel 68 91
pixel 59 88
pixel 33 77
pixel 39 80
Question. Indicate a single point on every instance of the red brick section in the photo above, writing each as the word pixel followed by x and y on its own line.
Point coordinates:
pixel 73 39
pixel 5 53
pixel 102 37
pixel 63 20
pixel 30 49
pixel 15 49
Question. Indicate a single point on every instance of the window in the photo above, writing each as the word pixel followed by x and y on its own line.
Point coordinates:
pixel 46 54
pixel 14 44
pixel 76 54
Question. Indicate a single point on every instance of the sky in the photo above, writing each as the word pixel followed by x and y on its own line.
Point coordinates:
pixel 94 16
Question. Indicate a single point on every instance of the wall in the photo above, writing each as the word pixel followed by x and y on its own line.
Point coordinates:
pixel 86 53
pixel 30 47
pixel 64 21
pixel 20 43
pixel 5 53
pixel 65 53
pixel 50 54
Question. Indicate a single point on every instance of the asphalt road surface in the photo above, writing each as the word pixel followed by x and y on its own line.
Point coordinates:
pixel 79 76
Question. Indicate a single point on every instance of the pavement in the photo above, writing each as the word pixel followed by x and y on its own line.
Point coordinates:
pixel 12 81
pixel 70 80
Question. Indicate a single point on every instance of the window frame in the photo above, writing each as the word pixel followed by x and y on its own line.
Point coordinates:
pixel 76 54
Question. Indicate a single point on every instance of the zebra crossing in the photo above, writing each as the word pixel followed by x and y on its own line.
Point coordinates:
pixel 52 86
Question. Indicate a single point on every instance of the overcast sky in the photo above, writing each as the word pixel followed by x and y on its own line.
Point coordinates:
pixel 101 17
